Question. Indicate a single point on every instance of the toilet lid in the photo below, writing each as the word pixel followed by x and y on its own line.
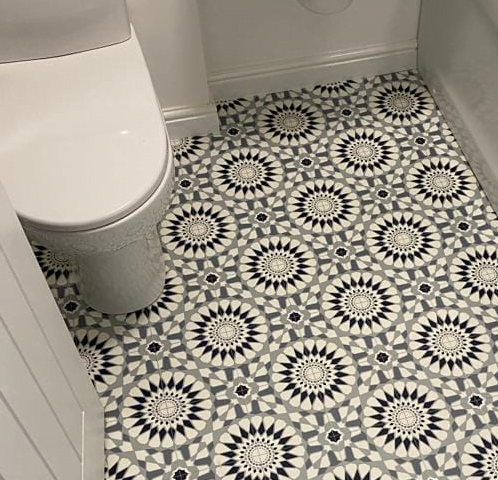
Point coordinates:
pixel 82 141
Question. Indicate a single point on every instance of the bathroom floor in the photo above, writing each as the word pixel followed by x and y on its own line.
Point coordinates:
pixel 330 308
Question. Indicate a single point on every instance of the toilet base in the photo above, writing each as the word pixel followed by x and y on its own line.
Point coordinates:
pixel 125 280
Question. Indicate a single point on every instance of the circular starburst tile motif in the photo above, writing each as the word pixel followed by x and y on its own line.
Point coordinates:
pixel 364 152
pixel 121 468
pixel 313 374
pixel 449 343
pixel 323 206
pixel 361 303
pixel 337 89
pixel 232 107
pixel 474 273
pixel 190 148
pixel 167 409
pixel 291 122
pixel 58 269
pixel 406 419
pixel 226 333
pixel 102 356
pixel 403 240
pixel 357 472
pixel 441 182
pixel 247 173
pixel 198 230
pixel 277 266
pixel 480 456
pixel 259 448
pixel 401 103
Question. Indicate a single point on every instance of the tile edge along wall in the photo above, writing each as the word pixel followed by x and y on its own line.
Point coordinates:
pixel 458 59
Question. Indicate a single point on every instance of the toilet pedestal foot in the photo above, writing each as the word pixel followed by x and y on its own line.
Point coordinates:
pixel 125 280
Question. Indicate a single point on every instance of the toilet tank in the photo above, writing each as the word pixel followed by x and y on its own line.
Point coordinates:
pixel 31 29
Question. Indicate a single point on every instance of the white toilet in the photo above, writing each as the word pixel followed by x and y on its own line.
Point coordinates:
pixel 84 154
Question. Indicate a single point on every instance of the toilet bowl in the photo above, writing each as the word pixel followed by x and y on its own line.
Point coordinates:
pixel 87 164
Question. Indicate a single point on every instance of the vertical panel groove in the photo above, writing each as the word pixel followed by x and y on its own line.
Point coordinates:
pixel 21 427
pixel 74 447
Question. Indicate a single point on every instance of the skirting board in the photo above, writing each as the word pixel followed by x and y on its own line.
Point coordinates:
pixel 190 121
pixel 313 70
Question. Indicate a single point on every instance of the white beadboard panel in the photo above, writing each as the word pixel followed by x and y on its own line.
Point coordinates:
pixel 313 70
pixel 48 326
pixel 32 343
pixel 33 322
pixel 30 407
pixel 19 458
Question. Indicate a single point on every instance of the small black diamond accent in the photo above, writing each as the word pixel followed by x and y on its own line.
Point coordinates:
pixel 420 141
pixel 334 436
pixel 180 474
pixel 242 391
pixel 233 131
pixel 347 112
pixel 382 357
pixel 341 252
pixel 382 193
pixel 212 278
pixel 262 217
pixel 463 226
pixel 306 162
pixel 185 183
pixel 424 288
pixel 71 306
pixel 476 400
pixel 295 317
pixel 154 347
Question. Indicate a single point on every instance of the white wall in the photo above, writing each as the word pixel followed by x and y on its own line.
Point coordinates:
pixel 244 37
pixel 254 46
pixel 459 60
pixel 169 33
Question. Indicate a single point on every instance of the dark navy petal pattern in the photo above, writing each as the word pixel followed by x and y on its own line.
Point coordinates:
pixel 406 419
pixel 329 310
pixel 364 152
pixel 277 266
pixel 198 230
pixel 474 273
pixel 291 122
pixel 450 343
pixel 401 103
pixel 403 240
pixel 441 182
pixel 226 333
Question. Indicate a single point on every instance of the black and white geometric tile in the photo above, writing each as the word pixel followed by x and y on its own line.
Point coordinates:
pixel 330 309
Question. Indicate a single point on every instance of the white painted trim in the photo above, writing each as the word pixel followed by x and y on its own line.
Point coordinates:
pixel 313 70
pixel 188 121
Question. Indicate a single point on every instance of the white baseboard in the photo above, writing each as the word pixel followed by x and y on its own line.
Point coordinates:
pixel 314 70
pixel 190 121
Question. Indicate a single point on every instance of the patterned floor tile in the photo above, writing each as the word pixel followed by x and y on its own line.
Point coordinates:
pixel 330 305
